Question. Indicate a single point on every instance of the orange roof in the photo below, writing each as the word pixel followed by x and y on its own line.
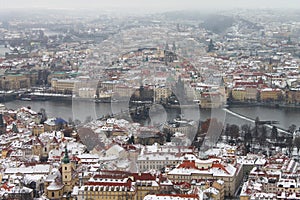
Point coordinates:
pixel 220 166
pixel 188 164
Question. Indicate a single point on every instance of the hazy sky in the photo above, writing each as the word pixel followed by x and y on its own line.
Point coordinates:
pixel 149 4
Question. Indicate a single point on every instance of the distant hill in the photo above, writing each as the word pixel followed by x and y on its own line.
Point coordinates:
pixel 218 23
pixel 213 22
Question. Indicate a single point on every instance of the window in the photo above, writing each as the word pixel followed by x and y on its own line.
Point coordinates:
pixel 52 194
pixel 66 168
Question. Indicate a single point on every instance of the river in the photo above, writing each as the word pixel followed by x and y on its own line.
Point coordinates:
pixel 81 110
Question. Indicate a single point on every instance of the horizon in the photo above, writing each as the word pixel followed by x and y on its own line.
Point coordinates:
pixel 148 6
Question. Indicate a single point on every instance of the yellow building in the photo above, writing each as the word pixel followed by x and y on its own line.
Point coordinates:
pixel 244 93
pixel 145 187
pixel 63 85
pixel 251 93
pixel 14 82
pixel 4 153
pixel 37 147
pixel 32 76
pixel 270 94
pixel 123 91
pixel 55 190
pixel 293 96
pixel 162 93
pixel 38 129
pixel 239 94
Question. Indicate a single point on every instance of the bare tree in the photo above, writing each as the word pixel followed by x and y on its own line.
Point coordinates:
pixel 71 122
pixel 263 135
pixel 245 127
pixel 234 131
pixel 292 128
pixel 274 133
pixel 289 143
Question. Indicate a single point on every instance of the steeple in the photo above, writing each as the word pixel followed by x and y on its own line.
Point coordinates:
pixel 66 159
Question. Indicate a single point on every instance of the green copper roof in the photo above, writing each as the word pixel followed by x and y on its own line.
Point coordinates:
pixel 66 159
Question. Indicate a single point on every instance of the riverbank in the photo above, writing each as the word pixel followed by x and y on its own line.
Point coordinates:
pixel 7 96
pixel 284 131
pixel 262 104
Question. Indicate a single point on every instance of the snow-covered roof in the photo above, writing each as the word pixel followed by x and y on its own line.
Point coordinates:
pixel 172 197
pixel 55 186
pixel 37 169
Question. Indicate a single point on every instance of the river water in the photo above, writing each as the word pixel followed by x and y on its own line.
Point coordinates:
pixel 81 110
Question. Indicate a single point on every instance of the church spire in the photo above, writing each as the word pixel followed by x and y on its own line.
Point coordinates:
pixel 66 159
